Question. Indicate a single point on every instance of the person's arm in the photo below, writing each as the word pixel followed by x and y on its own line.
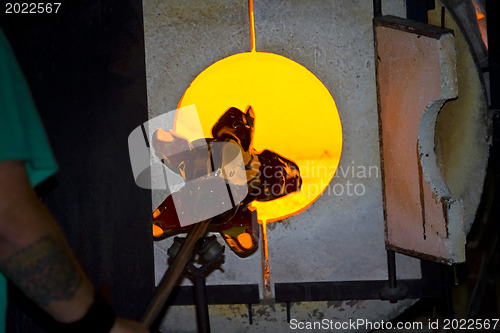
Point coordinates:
pixel 35 256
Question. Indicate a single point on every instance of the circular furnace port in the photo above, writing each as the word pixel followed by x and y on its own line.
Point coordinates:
pixel 295 116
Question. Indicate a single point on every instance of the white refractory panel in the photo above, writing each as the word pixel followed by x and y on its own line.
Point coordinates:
pixel 416 75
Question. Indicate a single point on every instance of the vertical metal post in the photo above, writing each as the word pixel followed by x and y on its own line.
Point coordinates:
pixel 250 315
pixel 392 292
pixel 391 269
pixel 288 315
pixel 447 295
pixel 377 8
pixel 201 303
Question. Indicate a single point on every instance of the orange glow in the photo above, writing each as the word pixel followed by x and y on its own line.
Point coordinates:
pixel 245 240
pixel 481 22
pixel 252 25
pixel 164 136
pixel 157 231
pixel 267 291
pixel 295 116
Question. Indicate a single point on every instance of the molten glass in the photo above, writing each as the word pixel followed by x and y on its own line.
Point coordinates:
pixel 207 165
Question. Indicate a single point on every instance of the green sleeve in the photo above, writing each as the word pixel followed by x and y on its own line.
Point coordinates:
pixel 22 136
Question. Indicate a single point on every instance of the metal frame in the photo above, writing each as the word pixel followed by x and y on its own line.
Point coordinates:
pixel 433 284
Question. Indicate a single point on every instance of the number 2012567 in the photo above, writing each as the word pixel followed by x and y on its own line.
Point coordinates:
pixel 32 8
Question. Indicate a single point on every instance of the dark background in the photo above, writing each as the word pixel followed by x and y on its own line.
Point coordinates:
pixel 86 70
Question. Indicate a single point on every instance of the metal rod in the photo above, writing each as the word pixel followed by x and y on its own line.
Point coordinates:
pixel 252 27
pixel 377 8
pixel 201 303
pixel 391 269
pixel 266 277
pixel 288 316
pixel 443 17
pixel 172 274
pixel 250 316
pixel 448 297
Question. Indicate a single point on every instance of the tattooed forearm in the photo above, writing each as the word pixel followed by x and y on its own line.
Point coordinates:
pixel 44 271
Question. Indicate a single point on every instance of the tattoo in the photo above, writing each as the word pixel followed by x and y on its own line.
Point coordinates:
pixel 44 271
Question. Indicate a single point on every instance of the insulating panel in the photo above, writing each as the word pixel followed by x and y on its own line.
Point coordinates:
pixel 416 75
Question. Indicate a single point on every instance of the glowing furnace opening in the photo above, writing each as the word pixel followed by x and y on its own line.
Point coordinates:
pixel 295 116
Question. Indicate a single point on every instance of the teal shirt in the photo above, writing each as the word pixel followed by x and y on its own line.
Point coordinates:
pixel 22 136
